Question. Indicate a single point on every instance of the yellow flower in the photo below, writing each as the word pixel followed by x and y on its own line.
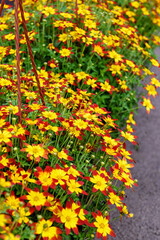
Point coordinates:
pixel 106 86
pixel 9 36
pixel 65 52
pixel 48 231
pixel 135 4
pixel 4 183
pixel 147 103
pixel 74 186
pixel 36 199
pixel 81 75
pixel 48 11
pixel 5 137
pixel 60 175
pixel 100 183
pixel 69 218
pixel 99 50
pixel 12 202
pixel 102 225
pixel 128 136
pixel 155 82
pixel 151 90
pixel 115 69
pixel 80 124
pixel 113 54
pixel 114 199
pixel 124 165
pixel 63 37
pixel 155 62
pixel 35 151
pixel 23 213
pixel 50 115
pixel 4 219
pixel 130 119
pixel 30 95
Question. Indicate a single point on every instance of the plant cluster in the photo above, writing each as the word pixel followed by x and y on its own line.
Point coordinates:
pixel 66 167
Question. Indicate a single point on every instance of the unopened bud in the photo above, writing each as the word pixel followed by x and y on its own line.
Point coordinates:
pixel 39 217
pixel 136 180
pixel 106 213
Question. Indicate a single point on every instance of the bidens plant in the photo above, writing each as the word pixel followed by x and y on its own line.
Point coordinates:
pixel 66 166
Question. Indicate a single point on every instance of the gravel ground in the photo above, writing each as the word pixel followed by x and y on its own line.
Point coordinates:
pixel 145 201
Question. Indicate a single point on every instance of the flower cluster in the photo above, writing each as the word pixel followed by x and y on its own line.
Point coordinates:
pixel 66 166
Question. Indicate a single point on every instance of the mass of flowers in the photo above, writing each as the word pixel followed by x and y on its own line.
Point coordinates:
pixel 65 167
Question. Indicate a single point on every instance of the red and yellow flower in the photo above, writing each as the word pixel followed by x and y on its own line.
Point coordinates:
pixel 102 225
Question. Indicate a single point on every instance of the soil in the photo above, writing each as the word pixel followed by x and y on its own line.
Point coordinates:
pixel 144 201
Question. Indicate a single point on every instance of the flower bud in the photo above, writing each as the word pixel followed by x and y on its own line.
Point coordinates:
pixel 136 180
pixel 7 195
pixel 21 204
pixel 109 183
pixel 106 213
pixel 32 236
pixel 39 217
